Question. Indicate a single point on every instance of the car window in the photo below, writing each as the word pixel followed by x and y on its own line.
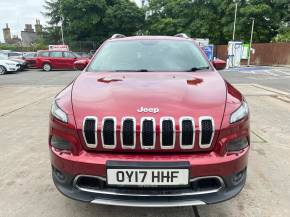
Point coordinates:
pixel 56 54
pixel 14 54
pixel 29 55
pixel 68 55
pixel 148 55
pixel 43 54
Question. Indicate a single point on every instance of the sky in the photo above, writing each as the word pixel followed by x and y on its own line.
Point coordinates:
pixel 17 13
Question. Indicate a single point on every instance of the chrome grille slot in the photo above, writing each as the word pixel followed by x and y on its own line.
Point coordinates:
pixel 187 136
pixel 128 132
pixel 206 125
pixel 167 132
pixel 148 136
pixel 90 131
pixel 109 132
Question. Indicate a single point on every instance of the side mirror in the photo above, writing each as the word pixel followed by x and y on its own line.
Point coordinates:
pixel 219 64
pixel 81 64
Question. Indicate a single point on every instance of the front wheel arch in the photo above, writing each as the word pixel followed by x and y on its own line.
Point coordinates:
pixel 3 71
pixel 46 64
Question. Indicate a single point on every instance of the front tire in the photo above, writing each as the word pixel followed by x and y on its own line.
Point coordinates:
pixel 46 67
pixel 2 70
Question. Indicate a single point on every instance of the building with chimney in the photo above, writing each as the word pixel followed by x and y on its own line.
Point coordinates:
pixel 8 39
pixel 7 34
pixel 38 28
pixel 29 36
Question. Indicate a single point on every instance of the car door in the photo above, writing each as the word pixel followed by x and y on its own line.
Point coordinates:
pixel 69 59
pixel 57 60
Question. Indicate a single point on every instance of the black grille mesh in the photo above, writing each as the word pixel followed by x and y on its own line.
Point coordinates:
pixel 108 132
pixel 89 131
pixel 148 133
pixel 128 132
pixel 207 131
pixel 167 133
pixel 187 132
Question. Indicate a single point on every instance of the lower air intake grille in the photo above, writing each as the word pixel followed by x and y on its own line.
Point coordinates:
pixel 167 133
pixel 206 132
pixel 148 133
pixel 187 132
pixel 109 132
pixel 128 132
pixel 90 131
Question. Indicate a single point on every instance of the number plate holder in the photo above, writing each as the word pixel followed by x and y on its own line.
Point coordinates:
pixel 157 174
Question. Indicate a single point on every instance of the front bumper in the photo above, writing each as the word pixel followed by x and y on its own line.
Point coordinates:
pixel 67 168
pixel 12 69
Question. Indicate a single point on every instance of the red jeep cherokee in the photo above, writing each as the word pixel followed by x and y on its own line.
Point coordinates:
pixel 149 122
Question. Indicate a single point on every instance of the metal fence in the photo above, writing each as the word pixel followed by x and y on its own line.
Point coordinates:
pixel 83 46
pixel 265 53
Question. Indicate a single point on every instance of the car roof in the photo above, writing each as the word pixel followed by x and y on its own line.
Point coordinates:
pixel 150 38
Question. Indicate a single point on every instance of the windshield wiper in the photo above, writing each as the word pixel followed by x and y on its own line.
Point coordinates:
pixel 131 70
pixel 194 69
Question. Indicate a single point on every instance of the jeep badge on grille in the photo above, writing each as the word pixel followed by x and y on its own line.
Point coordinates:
pixel 148 110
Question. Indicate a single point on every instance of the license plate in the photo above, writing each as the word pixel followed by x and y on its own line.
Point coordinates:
pixel 148 177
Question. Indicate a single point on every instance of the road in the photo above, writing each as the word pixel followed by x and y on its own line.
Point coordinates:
pixel 274 77
pixel 26 188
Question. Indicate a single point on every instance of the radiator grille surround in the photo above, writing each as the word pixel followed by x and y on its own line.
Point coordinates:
pixel 90 126
pixel 187 132
pixel 167 133
pixel 128 132
pixel 109 132
pixel 148 133
pixel 206 127
pixel 112 133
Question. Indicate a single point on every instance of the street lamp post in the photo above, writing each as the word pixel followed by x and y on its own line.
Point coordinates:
pixel 251 41
pixel 61 29
pixel 234 31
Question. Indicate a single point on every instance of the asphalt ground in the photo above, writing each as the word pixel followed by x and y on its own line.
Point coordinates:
pixel 274 77
pixel 26 187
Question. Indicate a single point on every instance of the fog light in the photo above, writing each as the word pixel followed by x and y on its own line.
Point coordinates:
pixel 237 145
pixel 239 177
pixel 58 174
pixel 60 143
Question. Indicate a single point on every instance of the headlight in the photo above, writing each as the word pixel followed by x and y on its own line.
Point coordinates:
pixel 240 113
pixel 58 113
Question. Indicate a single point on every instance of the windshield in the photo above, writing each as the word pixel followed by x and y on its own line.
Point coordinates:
pixel 3 56
pixel 149 55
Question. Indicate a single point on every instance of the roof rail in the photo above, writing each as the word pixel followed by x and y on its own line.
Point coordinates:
pixel 181 35
pixel 118 36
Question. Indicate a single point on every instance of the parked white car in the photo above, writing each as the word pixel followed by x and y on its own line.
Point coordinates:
pixel 7 65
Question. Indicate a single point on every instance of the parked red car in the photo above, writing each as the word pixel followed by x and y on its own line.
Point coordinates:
pixel 49 60
pixel 150 123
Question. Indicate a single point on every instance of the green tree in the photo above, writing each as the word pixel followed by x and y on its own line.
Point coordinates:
pixel 214 19
pixel 95 20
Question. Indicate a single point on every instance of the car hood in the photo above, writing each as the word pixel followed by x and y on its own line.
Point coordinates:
pixel 177 94
pixel 7 61
pixel 20 61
